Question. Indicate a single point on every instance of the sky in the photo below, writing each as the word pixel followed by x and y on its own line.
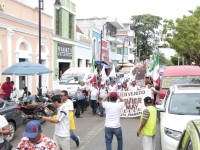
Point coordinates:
pixel 124 9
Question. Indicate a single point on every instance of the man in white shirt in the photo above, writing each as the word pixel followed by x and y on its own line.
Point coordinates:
pixel 102 92
pixel 61 134
pixel 4 128
pixel 112 123
pixel 112 87
pixel 70 106
pixel 94 91
pixel 133 86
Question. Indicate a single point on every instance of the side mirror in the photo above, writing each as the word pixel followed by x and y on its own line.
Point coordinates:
pixel 160 108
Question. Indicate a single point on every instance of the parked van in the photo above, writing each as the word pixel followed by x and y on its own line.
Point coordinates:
pixel 178 75
pixel 71 78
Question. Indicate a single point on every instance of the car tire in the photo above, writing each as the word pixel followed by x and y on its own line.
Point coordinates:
pixel 11 136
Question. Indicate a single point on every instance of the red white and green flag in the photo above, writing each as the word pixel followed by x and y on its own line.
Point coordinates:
pixel 154 69
pixel 93 71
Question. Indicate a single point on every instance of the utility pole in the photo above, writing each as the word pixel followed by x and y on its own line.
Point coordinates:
pixel 135 41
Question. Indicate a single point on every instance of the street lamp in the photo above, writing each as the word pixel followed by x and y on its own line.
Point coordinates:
pixel 135 50
pixel 57 5
pixel 102 35
pixel 126 38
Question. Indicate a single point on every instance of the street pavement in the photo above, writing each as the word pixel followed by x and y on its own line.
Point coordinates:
pixel 90 129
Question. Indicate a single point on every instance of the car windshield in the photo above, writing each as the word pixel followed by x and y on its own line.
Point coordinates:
pixel 71 79
pixel 185 104
pixel 169 81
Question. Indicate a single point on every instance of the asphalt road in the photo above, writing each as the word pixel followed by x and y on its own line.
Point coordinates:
pixel 90 129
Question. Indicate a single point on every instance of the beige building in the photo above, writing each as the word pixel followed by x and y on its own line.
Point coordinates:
pixel 19 41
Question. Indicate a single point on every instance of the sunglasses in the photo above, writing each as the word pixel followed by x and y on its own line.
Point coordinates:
pixel 62 95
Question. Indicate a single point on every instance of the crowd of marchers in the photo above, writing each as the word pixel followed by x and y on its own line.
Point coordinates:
pixel 102 98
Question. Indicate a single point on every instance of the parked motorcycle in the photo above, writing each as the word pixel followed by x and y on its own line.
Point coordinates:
pixel 33 111
pixel 50 109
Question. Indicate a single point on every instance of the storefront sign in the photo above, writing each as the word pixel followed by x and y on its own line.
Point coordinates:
pixel 134 103
pixel 85 39
pixel 64 51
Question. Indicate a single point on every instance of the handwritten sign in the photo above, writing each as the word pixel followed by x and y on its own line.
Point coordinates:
pixel 134 103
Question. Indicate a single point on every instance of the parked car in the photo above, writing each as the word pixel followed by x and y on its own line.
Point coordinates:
pixel 12 113
pixel 178 75
pixel 190 139
pixel 181 104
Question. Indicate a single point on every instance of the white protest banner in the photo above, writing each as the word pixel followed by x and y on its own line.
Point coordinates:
pixel 134 102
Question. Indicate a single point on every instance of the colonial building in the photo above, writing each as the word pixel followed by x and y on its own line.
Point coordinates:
pixel 64 39
pixel 107 27
pixel 83 49
pixel 19 41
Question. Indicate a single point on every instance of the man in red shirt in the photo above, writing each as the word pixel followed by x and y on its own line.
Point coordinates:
pixel 7 87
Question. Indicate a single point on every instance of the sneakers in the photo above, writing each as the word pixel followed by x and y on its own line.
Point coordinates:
pixel 78 142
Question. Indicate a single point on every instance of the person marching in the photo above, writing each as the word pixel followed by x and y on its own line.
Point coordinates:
pixel 69 104
pixel 112 123
pixel 148 125
pixel 94 91
pixel 133 86
pixel 102 92
pixel 61 134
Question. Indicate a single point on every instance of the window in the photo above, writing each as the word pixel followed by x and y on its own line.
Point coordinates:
pixel 185 104
pixel 22 79
pixel 80 62
pixel 59 22
pixel 71 26
pixel 87 62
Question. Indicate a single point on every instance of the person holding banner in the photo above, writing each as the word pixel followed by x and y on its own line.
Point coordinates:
pixel 148 125
pixel 112 87
pixel 133 86
pixel 112 123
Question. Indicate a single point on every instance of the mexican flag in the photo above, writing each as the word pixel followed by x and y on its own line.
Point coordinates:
pixel 154 69
pixel 93 71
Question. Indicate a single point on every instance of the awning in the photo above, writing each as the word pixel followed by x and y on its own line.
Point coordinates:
pixel 102 63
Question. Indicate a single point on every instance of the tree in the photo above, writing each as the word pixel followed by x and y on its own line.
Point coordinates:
pixel 162 59
pixel 184 36
pixel 145 27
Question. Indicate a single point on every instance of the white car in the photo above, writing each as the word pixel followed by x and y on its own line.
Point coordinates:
pixel 181 104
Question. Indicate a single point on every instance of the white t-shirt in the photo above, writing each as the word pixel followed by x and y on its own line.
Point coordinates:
pixel 82 87
pixel 113 112
pixel 112 88
pixel 93 94
pixel 3 123
pixel 102 93
pixel 133 88
pixel 69 104
pixel 62 127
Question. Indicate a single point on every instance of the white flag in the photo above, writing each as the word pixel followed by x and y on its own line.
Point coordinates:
pixel 113 73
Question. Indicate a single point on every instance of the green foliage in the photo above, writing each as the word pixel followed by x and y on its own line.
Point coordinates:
pixel 162 59
pixel 145 27
pixel 184 36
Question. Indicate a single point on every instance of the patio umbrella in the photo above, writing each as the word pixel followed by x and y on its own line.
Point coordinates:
pixel 26 68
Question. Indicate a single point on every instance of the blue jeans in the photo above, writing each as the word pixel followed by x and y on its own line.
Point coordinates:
pixel 73 136
pixel 100 106
pixel 109 137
